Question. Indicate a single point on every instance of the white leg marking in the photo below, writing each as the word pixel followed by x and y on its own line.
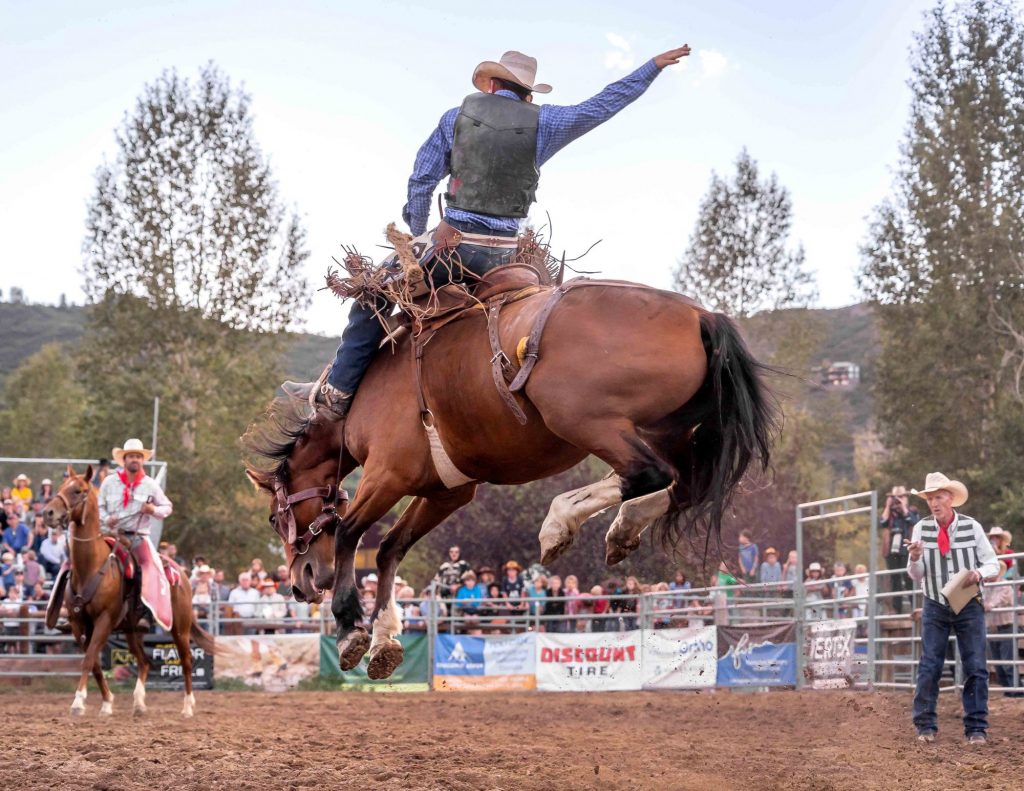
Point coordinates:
pixel 107 707
pixel 570 510
pixel 387 625
pixel 139 697
pixel 633 518
pixel 78 706
pixel 190 705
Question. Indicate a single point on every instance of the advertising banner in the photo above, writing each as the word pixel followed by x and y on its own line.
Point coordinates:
pixel 828 653
pixel 494 662
pixel 165 670
pixel 271 661
pixel 595 662
pixel 680 658
pixel 411 675
pixel 757 656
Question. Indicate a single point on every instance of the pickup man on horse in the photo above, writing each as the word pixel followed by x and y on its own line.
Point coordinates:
pixel 128 502
pixel 492 147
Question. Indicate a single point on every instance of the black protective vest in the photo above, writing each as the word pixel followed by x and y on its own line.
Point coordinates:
pixel 494 156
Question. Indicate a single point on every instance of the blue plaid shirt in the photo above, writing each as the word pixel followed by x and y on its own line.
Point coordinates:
pixel 557 127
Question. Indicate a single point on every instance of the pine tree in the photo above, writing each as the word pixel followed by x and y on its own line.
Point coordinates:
pixel 193 268
pixel 738 260
pixel 940 258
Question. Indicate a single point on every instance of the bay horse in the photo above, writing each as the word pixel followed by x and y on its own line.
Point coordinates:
pixel 660 389
pixel 103 605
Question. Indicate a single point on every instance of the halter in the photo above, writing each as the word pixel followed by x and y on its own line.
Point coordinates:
pixel 69 508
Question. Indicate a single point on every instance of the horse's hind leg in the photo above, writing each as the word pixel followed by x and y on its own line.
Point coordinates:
pixel 633 518
pixel 96 638
pixel 373 499
pixel 570 510
pixel 137 647
pixel 421 516
pixel 181 641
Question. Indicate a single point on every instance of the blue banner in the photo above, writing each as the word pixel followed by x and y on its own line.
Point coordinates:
pixel 757 656
pixel 458 655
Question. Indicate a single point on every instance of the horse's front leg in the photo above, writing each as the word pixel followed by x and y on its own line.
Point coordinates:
pixel 373 499
pixel 422 516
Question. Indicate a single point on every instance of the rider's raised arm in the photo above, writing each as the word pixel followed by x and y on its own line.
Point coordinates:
pixel 561 125
pixel 161 505
pixel 433 163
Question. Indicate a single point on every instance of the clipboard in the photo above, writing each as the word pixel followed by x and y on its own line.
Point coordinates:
pixel 958 591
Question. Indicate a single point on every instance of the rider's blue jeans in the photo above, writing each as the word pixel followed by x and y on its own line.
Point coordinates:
pixel 364 332
pixel 937 621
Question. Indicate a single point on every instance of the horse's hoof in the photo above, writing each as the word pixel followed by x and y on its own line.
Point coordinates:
pixel 77 712
pixel 139 711
pixel 186 715
pixel 616 553
pixel 352 648
pixel 385 661
pixel 105 712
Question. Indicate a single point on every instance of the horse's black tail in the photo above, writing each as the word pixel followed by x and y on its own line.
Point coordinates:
pixel 712 440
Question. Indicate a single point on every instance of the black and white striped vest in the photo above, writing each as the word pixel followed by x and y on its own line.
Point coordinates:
pixel 963 553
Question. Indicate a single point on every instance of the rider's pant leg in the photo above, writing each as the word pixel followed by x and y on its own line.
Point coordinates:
pixel 359 343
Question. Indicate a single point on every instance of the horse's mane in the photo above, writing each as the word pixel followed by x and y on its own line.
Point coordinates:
pixel 274 435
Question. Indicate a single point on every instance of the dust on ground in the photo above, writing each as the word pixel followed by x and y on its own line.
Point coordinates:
pixel 471 741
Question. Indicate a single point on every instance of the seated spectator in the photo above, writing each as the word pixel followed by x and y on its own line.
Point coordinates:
pixel 21 490
pixel 271 605
pixel 839 588
pixel 998 624
pixel 33 569
pixel 405 597
pixel 369 602
pixel 629 606
pixel 172 552
pixel 39 592
pixel 791 568
pixel 10 608
pixel 256 570
pixel 39 532
pixel 46 492
pixel 201 599
pixel 19 583
pixel 555 605
pixel 485 576
pixel 284 583
pixel 512 588
pixel 7 569
pixel 431 603
pixel 860 589
pixel 16 536
pixel 368 584
pixel 449 574
pixel 223 589
pixel 245 597
pixel 663 606
pixel 770 570
pixel 54 551
pixel 679 582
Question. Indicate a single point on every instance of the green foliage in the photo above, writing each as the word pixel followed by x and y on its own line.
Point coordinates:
pixel 738 261
pixel 942 259
pixel 194 271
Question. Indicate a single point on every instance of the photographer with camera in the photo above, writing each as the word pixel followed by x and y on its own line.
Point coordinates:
pixel 897 524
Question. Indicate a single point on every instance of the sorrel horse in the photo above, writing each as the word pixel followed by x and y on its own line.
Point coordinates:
pixel 663 391
pixel 104 606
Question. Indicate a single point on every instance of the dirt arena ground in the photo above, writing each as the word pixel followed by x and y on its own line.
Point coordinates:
pixel 306 740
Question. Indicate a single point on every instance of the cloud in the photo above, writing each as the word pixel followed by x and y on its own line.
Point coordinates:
pixel 712 63
pixel 620 57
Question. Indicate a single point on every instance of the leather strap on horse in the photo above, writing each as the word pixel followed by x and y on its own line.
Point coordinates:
pixel 532 350
pixel 500 364
pixel 80 600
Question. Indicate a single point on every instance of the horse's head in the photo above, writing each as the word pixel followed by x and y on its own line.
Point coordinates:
pixel 69 502
pixel 306 505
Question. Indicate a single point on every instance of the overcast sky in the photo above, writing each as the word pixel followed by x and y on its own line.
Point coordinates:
pixel 344 94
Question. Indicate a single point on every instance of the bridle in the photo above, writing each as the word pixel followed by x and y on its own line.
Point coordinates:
pixel 332 497
pixel 69 512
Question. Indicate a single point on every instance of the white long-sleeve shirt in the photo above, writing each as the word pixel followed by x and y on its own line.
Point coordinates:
pixel 111 503
pixel 969 549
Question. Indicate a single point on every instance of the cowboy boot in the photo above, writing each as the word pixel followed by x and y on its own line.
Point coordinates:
pixel 323 398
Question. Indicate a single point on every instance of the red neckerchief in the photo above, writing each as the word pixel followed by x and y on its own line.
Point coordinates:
pixel 129 487
pixel 944 534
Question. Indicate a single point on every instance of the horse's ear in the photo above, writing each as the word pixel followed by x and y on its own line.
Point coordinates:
pixel 88 474
pixel 71 471
pixel 261 480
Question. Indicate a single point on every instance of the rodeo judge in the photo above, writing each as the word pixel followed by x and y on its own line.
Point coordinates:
pixel 129 501
pixel 942 545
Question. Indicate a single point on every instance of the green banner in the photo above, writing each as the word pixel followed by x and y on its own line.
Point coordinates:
pixel 411 675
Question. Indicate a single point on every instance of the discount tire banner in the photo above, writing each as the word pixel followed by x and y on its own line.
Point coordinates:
pixel 680 658
pixel 599 662
pixel 757 656
pixel 495 662
pixel 828 651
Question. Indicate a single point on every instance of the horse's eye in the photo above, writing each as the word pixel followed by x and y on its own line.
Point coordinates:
pixel 272 519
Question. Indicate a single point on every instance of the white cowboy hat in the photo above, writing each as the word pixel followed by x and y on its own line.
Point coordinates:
pixel 514 67
pixel 131 446
pixel 23 477
pixel 814 567
pixel 936 482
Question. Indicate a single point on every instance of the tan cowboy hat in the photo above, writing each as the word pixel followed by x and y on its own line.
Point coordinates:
pixel 936 482
pixel 131 446
pixel 514 67
pixel 23 477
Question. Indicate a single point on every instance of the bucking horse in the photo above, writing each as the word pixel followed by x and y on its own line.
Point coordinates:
pixel 518 382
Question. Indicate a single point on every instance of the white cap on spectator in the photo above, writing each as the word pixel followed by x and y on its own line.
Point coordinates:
pixel 399 580
pixel 204 569
pixel 369 578
pixel 46 482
